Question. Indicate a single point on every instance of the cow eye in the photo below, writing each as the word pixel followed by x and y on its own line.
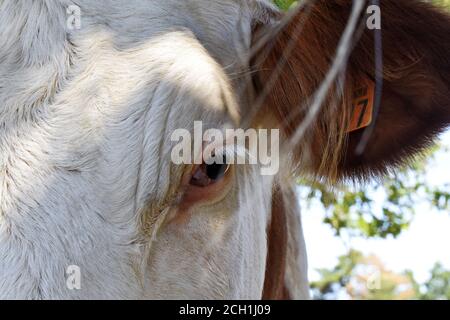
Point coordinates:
pixel 208 174
pixel 207 183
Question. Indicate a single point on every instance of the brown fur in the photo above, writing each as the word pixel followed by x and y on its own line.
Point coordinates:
pixel 274 284
pixel 415 103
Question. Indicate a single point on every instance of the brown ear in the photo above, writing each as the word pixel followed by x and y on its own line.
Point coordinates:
pixel 415 98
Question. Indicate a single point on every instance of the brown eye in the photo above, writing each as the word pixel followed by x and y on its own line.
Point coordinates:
pixel 208 174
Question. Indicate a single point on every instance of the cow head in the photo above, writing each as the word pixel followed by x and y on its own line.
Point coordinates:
pixel 87 177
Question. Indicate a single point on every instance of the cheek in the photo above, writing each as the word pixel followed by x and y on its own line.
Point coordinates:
pixel 194 259
pixel 220 252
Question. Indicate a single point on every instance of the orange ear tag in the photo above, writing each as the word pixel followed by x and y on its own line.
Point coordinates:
pixel 362 106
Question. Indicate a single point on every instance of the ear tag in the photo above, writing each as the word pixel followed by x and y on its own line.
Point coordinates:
pixel 362 106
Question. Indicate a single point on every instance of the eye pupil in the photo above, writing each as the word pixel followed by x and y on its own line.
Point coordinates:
pixel 216 171
pixel 209 173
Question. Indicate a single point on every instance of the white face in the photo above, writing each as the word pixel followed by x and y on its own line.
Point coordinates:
pixel 86 176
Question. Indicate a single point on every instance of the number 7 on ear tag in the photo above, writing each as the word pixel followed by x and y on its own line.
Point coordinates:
pixel 362 106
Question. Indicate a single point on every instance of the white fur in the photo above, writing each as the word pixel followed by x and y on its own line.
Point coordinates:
pixel 85 121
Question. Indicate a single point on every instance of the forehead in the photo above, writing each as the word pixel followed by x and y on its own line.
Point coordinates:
pixel 222 26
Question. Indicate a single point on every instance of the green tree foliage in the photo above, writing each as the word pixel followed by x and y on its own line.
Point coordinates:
pixel 355 210
pixel 365 277
pixel 285 4
pixel 437 287
pixel 443 3
pixel 334 280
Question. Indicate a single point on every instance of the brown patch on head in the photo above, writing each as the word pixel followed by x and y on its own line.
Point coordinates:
pixel 415 101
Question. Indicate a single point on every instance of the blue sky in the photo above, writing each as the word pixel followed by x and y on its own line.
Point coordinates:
pixel 418 248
